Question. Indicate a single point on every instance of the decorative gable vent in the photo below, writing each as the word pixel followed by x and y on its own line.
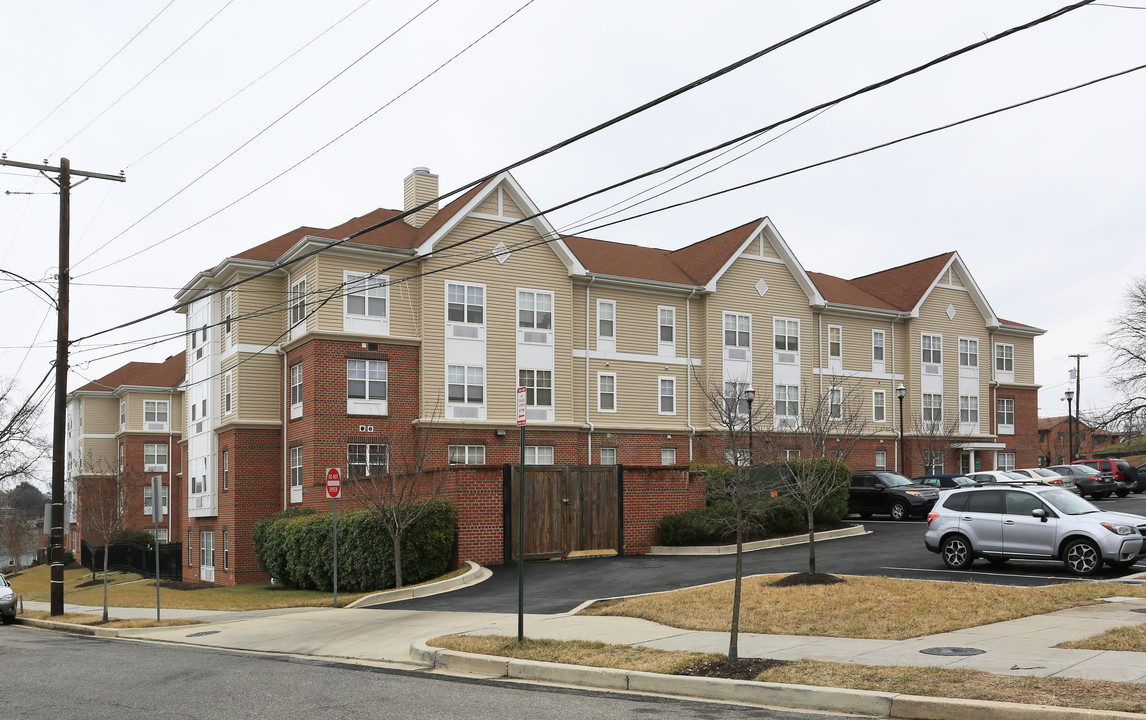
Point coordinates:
pixel 761 287
pixel 950 312
pixel 501 253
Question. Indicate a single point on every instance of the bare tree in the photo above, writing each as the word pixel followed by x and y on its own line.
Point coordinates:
pixel 21 446
pixel 931 440
pixel 101 494
pixel 814 437
pixel 732 421
pixel 17 535
pixel 397 484
pixel 1126 341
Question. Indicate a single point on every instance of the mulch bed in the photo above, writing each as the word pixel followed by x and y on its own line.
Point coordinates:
pixel 742 669
pixel 805 578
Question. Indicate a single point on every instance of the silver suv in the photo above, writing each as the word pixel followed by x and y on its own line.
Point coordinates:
pixel 1031 521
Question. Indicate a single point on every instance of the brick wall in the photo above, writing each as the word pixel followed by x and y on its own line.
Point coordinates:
pixel 650 493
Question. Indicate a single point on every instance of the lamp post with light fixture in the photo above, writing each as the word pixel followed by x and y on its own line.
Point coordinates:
pixel 901 392
pixel 1069 427
pixel 749 396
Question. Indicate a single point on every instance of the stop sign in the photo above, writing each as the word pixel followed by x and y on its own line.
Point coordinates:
pixel 333 483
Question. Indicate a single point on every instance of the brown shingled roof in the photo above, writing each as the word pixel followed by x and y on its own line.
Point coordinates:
pixel 837 290
pixel 703 259
pixel 166 374
pixel 903 287
pixel 624 260
pixel 273 249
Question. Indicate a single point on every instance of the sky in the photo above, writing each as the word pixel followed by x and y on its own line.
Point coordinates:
pixel 236 121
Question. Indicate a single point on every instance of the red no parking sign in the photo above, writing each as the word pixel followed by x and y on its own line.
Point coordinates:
pixel 333 483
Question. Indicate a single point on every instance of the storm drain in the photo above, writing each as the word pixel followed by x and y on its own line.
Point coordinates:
pixel 205 632
pixel 952 651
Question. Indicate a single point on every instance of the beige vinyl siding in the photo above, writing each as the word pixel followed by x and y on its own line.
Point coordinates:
pixel 535 268
pixel 101 415
pixel 258 389
pixel 259 303
pixel 100 456
pixel 135 402
pixel 638 396
pixel 967 323
pixel 638 322
pixel 1024 357
pixel 489 205
pixel 857 334
pixel 309 269
pixel 330 272
pixel 510 209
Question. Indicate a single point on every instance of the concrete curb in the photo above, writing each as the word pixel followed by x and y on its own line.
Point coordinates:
pixel 803 697
pixel 757 545
pixel 474 575
pixel 68 627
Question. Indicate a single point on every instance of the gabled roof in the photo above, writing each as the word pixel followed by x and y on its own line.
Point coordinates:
pixel 902 287
pixel 167 374
pixel 603 257
pixel 703 260
pixel 843 292
pixel 272 250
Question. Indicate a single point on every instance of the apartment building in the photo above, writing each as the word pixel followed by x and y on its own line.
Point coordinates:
pixel 127 426
pixel 338 347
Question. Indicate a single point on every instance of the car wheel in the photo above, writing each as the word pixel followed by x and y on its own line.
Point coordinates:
pixel 956 552
pixel 7 619
pixel 1082 557
pixel 1103 495
pixel 1121 492
pixel 898 510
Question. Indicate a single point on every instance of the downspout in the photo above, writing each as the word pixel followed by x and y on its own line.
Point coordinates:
pixel 688 372
pixel 587 420
pixel 286 411
pixel 820 351
pixel 170 465
pixel 895 405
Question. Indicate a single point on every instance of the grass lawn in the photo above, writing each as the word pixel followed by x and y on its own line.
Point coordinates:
pixel 864 607
pixel 929 681
pixel 131 590
pixel 1132 639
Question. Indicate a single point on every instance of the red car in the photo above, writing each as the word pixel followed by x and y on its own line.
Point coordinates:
pixel 1124 474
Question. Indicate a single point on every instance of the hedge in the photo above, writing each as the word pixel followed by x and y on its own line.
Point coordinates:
pixel 297 549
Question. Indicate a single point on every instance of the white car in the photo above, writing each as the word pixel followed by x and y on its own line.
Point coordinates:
pixel 1050 477
pixel 992 476
pixel 7 602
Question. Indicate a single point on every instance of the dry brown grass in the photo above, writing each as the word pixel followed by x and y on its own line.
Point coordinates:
pixel 965 684
pixel 863 607
pixel 1131 638
pixel 575 652
pixel 84 619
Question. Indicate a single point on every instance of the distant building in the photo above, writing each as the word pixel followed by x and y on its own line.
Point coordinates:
pixel 1054 438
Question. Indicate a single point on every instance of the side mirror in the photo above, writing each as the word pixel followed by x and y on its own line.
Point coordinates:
pixel 880 486
pixel 1039 513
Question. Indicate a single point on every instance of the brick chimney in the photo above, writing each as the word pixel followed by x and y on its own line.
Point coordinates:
pixel 420 186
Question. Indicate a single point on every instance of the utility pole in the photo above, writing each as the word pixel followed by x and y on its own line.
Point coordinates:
pixel 64 182
pixel 1078 391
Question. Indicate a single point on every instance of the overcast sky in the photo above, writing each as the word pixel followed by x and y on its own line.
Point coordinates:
pixel 1044 203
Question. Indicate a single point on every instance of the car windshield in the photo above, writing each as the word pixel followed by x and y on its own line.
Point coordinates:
pixel 1015 475
pixel 3 582
pixel 893 479
pixel 1045 473
pixel 963 480
pixel 1067 502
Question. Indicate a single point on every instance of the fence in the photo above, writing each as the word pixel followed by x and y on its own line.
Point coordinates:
pixel 133 557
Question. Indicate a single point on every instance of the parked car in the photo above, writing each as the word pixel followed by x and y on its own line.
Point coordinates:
pixel 878 491
pixel 943 481
pixel 7 602
pixel 1048 476
pixel 992 476
pixel 1036 522
pixel 1125 475
pixel 1087 480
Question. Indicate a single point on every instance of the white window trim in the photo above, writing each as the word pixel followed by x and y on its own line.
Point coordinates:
pixel 1001 464
pixel 929 424
pixel 835 410
pixel 608 339
pixel 967 425
pixel 970 371
pixel 164 498
pixel 156 424
pixel 608 456
pixel 786 421
pixel 368 405
pixel 776 354
pixel 226 479
pixel 882 346
pixel 1003 428
pixel 207 548
pixel 552 388
pixel 836 362
pixel 1004 375
pixel 122 414
pixel 666 348
pixel 376 454
pixel 880 464
pixel 883 404
pixel 466 402
pixel 296 309
pixel 466 451
pixel 296 471
pixel 923 362
pixel 535 450
pixel 228 393
pixel 295 407
pixel 549 332
pixel 465 305
pixel 723 322
pixel 155 466
pixel 228 320
pixel 226 551
pixel 661 396
pixel 361 284
pixel 665 454
pixel 612 375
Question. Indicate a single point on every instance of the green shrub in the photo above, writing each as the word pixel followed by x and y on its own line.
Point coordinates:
pixel 297 549
pixel 783 516
pixel 690 527
pixel 69 558
pixel 139 537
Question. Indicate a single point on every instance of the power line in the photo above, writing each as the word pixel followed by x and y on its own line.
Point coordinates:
pixel 552 148
pixel 92 76
pixel 149 74
pixel 254 137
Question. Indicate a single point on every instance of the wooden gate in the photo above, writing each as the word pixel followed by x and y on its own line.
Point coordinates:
pixel 568 508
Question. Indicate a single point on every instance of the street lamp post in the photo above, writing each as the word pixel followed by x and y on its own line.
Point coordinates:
pixel 749 396
pixel 1069 427
pixel 900 392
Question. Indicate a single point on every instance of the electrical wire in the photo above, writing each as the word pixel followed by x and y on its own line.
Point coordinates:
pixel 552 148
pixel 259 134
pixel 140 80
pixel 92 76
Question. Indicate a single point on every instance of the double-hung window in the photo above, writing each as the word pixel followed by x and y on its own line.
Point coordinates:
pixel 465 310
pixel 835 403
pixel 878 406
pixel 881 459
pixel 122 414
pixel 1005 461
pixel 606 325
pixel 666 395
pixel 538 454
pixel 207 548
pixel 933 462
pixel 366 303
pixel 466 384
pixel 931 353
pixel 1005 416
pixel 155 457
pixel 297 308
pixel 932 411
pixel 606 392
pixel 668 456
pixel 969 412
pixel 538 386
pixel 666 331
pixel 878 340
pixel 228 320
pixel 155 415
pixel 835 348
pixel 296 390
pixel 735 403
pixel 1004 362
pixel 786 340
pixel 366 386
pixel 148 502
pixel 968 357
pixel 535 316
pixel 228 379
pixel 296 474
pixel 366 459
pixel 226 469
pixel 467 454
pixel 226 551
pixel 737 336
pixel 787 406
pixel 608 456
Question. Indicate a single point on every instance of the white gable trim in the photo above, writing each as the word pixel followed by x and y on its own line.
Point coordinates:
pixel 767 232
pixel 517 194
pixel 972 289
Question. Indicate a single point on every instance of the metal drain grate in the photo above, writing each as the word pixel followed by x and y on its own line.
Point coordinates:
pixel 952 651
pixel 205 632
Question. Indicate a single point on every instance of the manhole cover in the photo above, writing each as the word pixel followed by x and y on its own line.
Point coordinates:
pixel 951 651
pixel 205 632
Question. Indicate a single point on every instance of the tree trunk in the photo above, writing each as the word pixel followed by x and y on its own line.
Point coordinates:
pixel 733 638
pixel 811 540
pixel 397 560
pixel 105 554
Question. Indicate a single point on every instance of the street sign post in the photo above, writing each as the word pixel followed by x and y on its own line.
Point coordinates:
pixel 334 491
pixel 521 518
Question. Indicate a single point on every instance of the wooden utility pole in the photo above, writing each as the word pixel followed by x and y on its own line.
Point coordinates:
pixel 64 182
pixel 1077 395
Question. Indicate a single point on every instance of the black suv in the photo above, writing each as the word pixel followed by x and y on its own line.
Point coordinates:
pixel 888 493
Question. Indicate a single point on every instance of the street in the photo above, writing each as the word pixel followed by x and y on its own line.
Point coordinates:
pixel 57 676
pixel 891 548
